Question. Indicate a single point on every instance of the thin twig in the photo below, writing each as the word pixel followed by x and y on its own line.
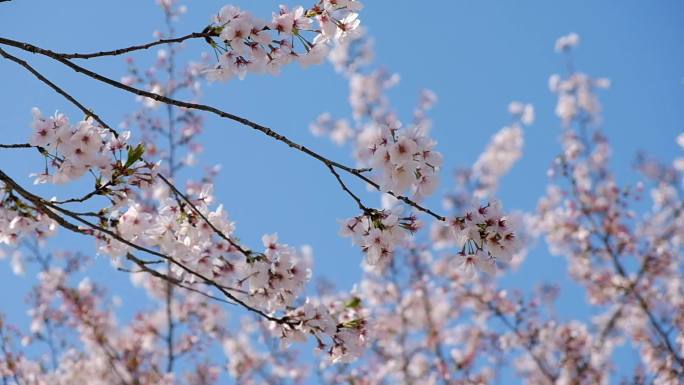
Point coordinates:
pixel 348 191
pixel 17 145
pixel 121 51
pixel 171 280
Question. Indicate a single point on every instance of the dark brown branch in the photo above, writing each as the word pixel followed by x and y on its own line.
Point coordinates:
pixel 97 191
pixel 365 209
pixel 121 51
pixel 17 145
pixel 171 280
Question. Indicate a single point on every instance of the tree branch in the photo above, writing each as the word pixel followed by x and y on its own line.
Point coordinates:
pixel 121 51
pixel 48 207
pixel 363 208
pixel 201 107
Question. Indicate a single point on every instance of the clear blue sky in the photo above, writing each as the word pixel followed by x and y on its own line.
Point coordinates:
pixel 476 55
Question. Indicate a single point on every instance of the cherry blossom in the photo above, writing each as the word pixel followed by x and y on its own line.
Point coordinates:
pixel 73 150
pixel 248 44
pixel 429 305
pixel 378 233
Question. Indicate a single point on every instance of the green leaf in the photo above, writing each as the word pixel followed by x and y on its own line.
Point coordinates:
pixel 353 324
pixel 134 154
pixel 353 303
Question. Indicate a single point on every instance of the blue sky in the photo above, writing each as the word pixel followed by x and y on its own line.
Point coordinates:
pixel 476 55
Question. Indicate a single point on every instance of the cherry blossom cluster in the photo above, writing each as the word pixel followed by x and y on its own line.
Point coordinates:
pixel 420 313
pixel 350 54
pixel 339 131
pixel 19 221
pixel 73 150
pixel 339 326
pixel 576 98
pixel 486 236
pixel 378 233
pixel 367 93
pixel 276 277
pixel 351 337
pixel 251 45
pixel 504 149
pixel 204 251
pixel 401 157
pixel 567 42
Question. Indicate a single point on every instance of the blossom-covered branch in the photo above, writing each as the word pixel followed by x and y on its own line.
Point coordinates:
pixel 267 131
